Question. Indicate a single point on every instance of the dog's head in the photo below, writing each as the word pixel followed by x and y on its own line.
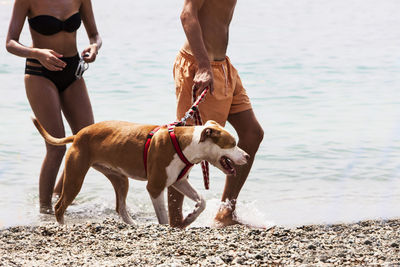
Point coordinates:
pixel 221 148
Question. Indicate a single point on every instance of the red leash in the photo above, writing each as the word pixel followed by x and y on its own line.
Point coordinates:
pixel 191 113
pixel 197 120
pixel 194 113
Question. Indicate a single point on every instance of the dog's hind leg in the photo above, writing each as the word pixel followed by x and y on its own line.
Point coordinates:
pixel 120 183
pixel 184 187
pixel 76 167
pixel 121 187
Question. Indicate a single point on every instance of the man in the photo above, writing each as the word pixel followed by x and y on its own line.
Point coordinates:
pixel 202 63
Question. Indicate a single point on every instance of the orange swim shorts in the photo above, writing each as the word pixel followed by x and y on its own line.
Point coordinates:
pixel 229 96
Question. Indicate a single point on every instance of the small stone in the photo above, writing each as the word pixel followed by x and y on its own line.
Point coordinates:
pixel 259 257
pixel 311 246
pixel 367 242
pixel 227 258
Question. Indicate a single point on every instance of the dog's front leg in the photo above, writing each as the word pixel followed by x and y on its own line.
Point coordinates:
pixel 184 187
pixel 159 207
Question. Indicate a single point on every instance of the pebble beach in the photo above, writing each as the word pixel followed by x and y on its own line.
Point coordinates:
pixel 113 243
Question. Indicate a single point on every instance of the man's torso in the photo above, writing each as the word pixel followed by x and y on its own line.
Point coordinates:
pixel 215 17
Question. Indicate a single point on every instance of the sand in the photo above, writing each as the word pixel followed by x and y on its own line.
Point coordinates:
pixel 113 243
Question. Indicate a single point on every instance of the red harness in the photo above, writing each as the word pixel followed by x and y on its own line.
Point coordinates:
pixel 178 149
pixel 194 113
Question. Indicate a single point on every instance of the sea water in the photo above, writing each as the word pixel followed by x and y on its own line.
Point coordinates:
pixel 323 78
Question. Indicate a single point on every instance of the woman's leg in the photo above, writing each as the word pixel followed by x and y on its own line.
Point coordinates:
pixel 44 100
pixel 76 106
pixel 77 110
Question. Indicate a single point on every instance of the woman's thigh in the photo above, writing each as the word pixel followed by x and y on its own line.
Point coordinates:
pixel 76 106
pixel 44 99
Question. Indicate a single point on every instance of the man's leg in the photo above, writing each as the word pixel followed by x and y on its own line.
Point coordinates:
pixel 175 202
pixel 250 136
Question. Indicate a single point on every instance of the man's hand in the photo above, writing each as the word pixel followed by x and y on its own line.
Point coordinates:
pixel 204 78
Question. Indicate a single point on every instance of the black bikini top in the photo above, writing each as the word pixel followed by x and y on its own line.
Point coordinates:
pixel 49 25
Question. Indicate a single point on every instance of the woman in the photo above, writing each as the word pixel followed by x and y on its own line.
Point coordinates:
pixel 51 83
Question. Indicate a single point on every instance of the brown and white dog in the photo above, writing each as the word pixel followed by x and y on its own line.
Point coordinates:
pixel 116 149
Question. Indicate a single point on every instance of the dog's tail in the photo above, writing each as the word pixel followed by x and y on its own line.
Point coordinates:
pixel 50 139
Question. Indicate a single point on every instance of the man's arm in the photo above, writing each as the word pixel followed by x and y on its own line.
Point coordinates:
pixel 194 35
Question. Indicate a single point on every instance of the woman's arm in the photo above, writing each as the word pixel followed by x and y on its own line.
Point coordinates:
pixel 20 12
pixel 95 41
pixel 48 58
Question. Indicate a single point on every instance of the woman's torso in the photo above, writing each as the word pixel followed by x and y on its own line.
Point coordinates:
pixel 56 11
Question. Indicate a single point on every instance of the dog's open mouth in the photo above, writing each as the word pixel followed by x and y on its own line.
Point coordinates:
pixel 228 165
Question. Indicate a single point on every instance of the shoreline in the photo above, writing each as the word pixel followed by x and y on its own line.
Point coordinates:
pixel 113 243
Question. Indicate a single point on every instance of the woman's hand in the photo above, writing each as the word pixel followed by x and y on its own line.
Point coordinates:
pixel 49 59
pixel 89 54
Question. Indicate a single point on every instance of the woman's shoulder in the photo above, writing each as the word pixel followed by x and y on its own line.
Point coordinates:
pixel 23 2
pixel 22 5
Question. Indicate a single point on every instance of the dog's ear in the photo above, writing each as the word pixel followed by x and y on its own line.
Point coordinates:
pixel 209 132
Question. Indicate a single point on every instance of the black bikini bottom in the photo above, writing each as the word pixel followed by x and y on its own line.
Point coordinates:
pixel 62 79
